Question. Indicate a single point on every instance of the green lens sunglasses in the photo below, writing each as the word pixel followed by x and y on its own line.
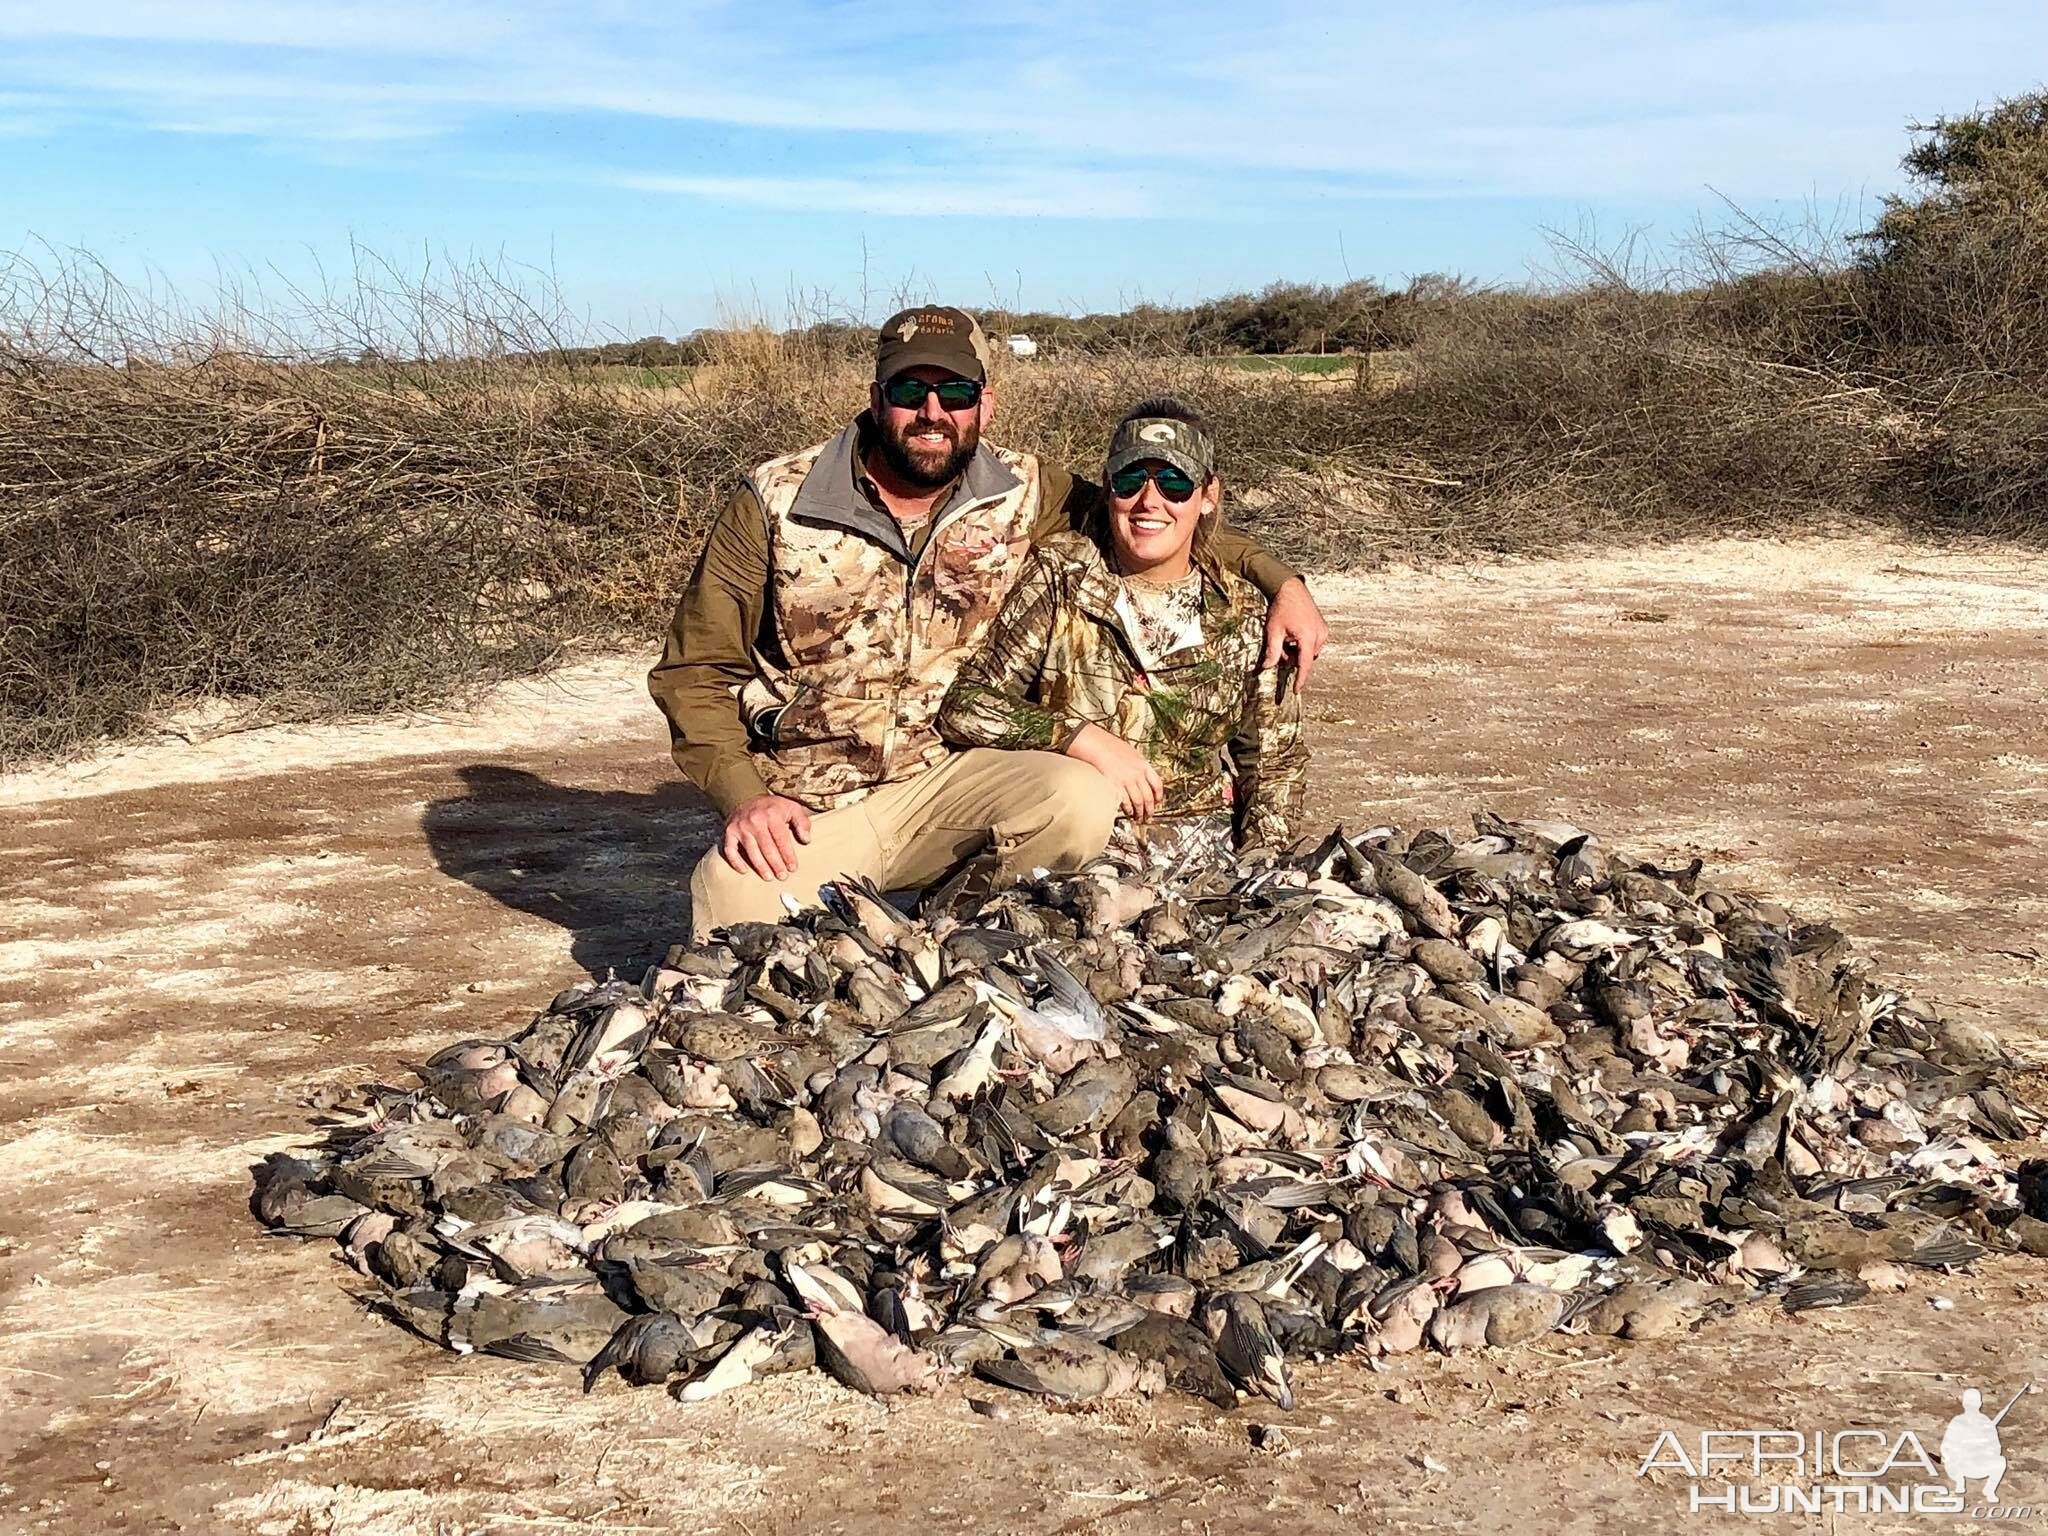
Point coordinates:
pixel 907 394
pixel 1174 484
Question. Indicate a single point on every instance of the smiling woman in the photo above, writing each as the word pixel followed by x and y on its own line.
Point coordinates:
pixel 1133 651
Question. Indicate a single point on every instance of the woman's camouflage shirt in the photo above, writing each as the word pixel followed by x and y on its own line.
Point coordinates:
pixel 1224 736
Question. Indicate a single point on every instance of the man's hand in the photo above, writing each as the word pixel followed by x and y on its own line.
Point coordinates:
pixel 1137 782
pixel 761 836
pixel 1293 618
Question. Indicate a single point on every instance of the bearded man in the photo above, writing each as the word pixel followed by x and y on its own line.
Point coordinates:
pixel 836 596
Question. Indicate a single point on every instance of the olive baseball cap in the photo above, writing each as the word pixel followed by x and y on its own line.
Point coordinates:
pixel 1182 444
pixel 933 336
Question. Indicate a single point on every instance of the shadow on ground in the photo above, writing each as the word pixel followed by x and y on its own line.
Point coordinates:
pixel 610 866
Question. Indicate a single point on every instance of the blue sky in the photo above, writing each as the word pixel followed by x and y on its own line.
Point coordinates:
pixel 664 159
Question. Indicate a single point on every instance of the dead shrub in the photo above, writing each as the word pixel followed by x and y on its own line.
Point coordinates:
pixel 223 509
pixel 386 491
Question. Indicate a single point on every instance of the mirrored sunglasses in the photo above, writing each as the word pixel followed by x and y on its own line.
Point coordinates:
pixel 907 394
pixel 1174 484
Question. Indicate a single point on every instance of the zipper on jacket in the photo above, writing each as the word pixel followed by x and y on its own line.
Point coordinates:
pixel 910 570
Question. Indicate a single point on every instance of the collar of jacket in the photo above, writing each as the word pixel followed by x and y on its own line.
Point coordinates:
pixel 831 495
pixel 1095 591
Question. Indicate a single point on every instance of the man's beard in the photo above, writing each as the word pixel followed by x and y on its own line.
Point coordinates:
pixel 917 464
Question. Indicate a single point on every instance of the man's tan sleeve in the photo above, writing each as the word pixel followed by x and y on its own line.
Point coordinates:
pixel 1067 500
pixel 1251 560
pixel 709 655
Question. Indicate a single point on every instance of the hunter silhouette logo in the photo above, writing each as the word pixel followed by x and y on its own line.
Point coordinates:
pixel 1860 1470
pixel 1969 1446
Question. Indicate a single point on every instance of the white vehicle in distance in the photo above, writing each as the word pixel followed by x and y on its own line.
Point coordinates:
pixel 1021 346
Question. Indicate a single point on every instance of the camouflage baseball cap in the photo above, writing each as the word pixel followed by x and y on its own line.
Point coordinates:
pixel 934 336
pixel 1180 443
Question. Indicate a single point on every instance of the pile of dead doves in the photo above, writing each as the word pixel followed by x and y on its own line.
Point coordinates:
pixel 1107 1133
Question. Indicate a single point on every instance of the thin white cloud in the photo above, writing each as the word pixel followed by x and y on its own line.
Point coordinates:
pixel 362 26
pixel 907 193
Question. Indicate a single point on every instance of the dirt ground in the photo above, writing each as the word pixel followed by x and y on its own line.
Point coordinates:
pixel 194 935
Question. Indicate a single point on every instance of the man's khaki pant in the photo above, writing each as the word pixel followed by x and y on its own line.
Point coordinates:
pixel 1034 809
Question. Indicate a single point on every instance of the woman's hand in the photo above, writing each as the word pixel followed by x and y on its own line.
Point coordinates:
pixel 1137 782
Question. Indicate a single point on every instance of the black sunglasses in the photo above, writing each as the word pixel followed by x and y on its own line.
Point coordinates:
pixel 1174 484
pixel 907 394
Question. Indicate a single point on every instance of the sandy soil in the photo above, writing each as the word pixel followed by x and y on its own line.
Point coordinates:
pixel 194 935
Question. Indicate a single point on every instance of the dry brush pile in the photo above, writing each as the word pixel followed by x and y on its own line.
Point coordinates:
pixel 374 494
pixel 276 514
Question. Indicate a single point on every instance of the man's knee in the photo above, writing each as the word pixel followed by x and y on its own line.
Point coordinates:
pixel 720 894
pixel 1077 810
